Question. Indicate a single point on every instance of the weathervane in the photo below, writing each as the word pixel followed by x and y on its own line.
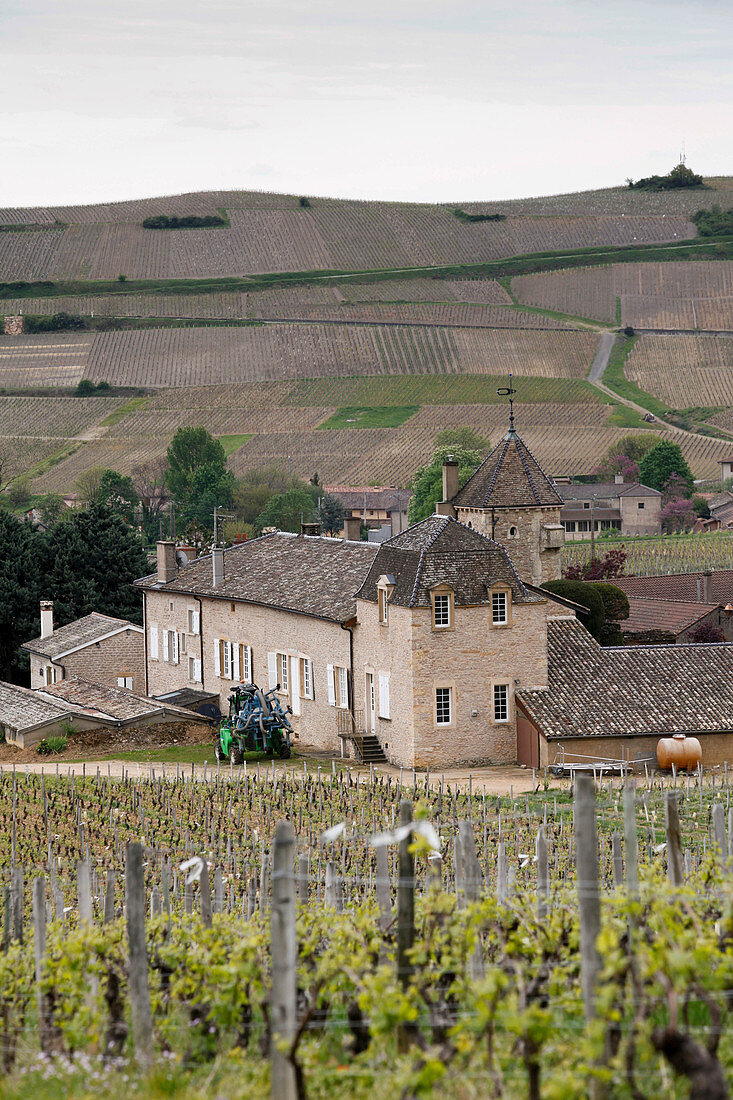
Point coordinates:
pixel 507 392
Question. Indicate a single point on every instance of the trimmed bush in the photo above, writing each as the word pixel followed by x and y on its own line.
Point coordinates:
pixel 189 221
pixel 585 594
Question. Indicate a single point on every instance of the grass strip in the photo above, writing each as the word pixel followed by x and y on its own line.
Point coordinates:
pixel 385 416
pixel 232 443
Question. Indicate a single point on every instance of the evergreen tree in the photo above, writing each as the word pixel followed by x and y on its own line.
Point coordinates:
pixel 663 461
pixel 427 484
pixel 20 592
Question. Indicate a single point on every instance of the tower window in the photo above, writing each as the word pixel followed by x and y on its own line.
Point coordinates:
pixel 513 532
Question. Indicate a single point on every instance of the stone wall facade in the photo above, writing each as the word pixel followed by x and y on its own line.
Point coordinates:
pixel 469 659
pixel 265 630
pixel 532 537
pixel 120 656
pixel 13 326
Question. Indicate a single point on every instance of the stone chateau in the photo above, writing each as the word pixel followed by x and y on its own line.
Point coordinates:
pixel 438 647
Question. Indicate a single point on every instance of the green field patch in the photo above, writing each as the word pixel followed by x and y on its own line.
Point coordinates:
pixel 384 416
pixel 172 754
pixel 380 391
pixel 624 417
pixel 232 443
pixel 116 415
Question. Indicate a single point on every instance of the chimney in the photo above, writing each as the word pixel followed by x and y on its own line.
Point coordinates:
pixel 707 587
pixel 167 565
pixel 310 529
pixel 450 478
pixel 352 528
pixel 217 566
pixel 46 618
pixel 618 479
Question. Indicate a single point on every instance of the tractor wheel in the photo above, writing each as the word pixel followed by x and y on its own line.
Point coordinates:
pixel 237 755
pixel 284 751
pixel 218 753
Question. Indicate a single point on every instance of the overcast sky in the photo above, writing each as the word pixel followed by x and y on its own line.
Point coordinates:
pixel 393 99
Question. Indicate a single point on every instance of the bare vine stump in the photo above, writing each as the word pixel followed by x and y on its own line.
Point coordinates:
pixel 142 1023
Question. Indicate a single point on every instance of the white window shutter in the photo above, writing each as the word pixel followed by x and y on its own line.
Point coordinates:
pixel 154 643
pixel 247 664
pixel 331 686
pixel 383 695
pixel 196 622
pixel 217 656
pixel 295 685
pixel 166 649
pixel 197 670
pixel 174 637
pixel 235 660
pixel 309 678
pixel 272 669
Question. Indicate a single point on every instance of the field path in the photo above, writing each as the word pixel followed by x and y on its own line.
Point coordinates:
pixel 603 354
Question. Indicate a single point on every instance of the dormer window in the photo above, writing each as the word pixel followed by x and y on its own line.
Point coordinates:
pixel 443 608
pixel 385 588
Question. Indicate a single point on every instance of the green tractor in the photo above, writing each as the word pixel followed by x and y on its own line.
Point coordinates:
pixel 257 722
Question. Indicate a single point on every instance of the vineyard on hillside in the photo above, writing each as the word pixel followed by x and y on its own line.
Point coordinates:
pixel 453 945
pixel 692 295
pixel 683 371
pixel 617 200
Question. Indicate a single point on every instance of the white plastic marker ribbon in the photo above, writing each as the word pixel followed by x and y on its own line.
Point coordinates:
pixel 195 866
pixel 333 833
pixel 424 828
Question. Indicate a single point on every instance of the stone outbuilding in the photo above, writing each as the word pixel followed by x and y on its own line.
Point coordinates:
pixel 99 647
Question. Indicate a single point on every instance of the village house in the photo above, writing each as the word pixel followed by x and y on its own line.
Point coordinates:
pixel 98 647
pixel 437 648
pixel 624 506
pixel 378 508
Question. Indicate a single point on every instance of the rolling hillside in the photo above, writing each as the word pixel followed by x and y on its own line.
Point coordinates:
pixel 267 366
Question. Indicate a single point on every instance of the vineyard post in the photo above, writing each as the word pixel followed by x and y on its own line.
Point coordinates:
pixel 502 889
pixel 303 878
pixel 45 1022
pixel 84 891
pixel 589 902
pixel 730 835
pixel 16 904
pixel 7 905
pixel 142 1023
pixel 618 861
pixel 471 888
pixel 543 873
pixel 109 898
pixel 719 829
pixel 284 962
pixel 205 889
pixel 675 865
pixel 218 890
pixel 384 898
pixel 405 912
pixel 631 843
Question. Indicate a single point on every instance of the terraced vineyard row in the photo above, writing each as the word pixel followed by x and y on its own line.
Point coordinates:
pixel 132 305
pixel 694 295
pixel 417 313
pixel 208 356
pixel 346 236
pixel 153 421
pixel 683 371
pixel 617 200
pixel 54 416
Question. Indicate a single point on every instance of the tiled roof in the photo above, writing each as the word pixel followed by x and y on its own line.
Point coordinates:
pixel 311 575
pixel 21 708
pixel 439 550
pixel 386 499
pixel 673 616
pixel 76 635
pixel 679 586
pixel 605 489
pixel 654 690
pixel 100 700
pixel 510 477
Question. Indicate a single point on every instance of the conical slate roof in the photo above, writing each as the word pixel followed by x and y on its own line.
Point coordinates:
pixel 510 477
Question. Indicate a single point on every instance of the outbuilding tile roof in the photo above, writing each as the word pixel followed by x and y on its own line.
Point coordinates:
pixel 82 632
pixel 618 692
pixel 21 708
pixel 673 616
pixel 308 574
pixel 605 490
pixel 510 477
pixel 440 550
pixel 107 702
pixel 679 586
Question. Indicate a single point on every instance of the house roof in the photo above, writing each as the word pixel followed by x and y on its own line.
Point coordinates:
pixel 509 477
pixel 107 703
pixel 679 586
pixel 306 574
pixel 79 634
pixel 673 616
pixel 605 489
pixel 440 550
pixel 21 708
pixel 382 498
pixel 626 691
